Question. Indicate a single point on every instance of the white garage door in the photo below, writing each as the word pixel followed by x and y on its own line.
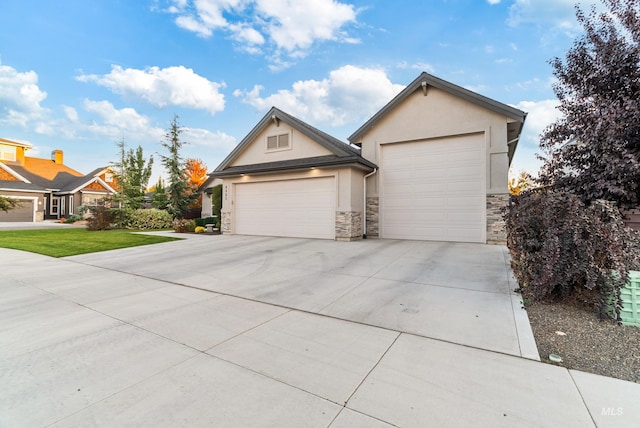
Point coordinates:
pixel 23 212
pixel 434 190
pixel 303 208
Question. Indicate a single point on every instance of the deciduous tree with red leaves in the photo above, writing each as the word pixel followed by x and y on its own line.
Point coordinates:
pixel 593 150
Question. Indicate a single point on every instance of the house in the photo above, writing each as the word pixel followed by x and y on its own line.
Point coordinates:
pixel 47 188
pixel 432 164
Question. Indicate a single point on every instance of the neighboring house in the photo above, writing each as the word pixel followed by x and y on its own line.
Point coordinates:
pixel 430 165
pixel 47 188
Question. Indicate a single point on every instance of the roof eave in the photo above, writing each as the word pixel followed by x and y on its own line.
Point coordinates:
pixel 257 170
pixel 417 84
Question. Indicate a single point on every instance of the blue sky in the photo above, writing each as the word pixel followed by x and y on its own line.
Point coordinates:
pixel 80 76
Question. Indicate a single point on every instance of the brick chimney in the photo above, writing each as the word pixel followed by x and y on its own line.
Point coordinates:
pixel 57 156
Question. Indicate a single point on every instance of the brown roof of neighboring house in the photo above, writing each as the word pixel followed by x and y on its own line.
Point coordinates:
pixel 48 169
pixel 45 174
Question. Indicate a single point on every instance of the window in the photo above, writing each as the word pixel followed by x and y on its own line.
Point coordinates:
pixel 54 205
pixel 7 153
pixel 71 205
pixel 278 142
pixel 108 177
pixel 91 201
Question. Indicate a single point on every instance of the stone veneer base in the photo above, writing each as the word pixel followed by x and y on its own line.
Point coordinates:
pixel 348 225
pixel 496 231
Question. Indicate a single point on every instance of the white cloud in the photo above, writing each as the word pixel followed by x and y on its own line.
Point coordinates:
pixel 492 2
pixel 350 94
pixel 118 123
pixel 206 138
pixel 540 115
pixel 71 113
pixel 558 15
pixel 246 34
pixel 204 16
pixel 421 66
pixel 178 86
pixel 20 96
pixel 295 25
pixel 288 27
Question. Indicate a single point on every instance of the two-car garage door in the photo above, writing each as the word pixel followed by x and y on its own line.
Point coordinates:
pixel 302 208
pixel 24 212
pixel 434 189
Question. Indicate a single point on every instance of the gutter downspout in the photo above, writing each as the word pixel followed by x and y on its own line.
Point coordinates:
pixel 364 217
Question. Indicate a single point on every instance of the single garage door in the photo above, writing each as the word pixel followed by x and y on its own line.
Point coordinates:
pixel 24 212
pixel 303 208
pixel 434 190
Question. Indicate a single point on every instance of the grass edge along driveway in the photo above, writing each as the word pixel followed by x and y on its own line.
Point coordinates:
pixel 70 242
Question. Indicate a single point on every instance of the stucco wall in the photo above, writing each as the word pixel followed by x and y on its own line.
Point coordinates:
pixel 300 147
pixel 440 114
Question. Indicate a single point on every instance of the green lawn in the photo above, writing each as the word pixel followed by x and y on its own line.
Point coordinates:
pixel 69 242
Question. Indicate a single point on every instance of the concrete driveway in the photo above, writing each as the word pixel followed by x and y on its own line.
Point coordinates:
pixel 253 331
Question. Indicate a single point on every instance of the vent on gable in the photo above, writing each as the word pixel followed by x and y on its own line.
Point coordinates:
pixel 277 142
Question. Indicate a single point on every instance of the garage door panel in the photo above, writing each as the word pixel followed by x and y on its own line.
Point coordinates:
pixel 434 190
pixel 294 208
pixel 22 213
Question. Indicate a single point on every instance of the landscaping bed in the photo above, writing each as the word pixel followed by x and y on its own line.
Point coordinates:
pixel 589 344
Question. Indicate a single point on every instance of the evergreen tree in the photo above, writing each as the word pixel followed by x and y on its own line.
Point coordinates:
pixel 132 172
pixel 159 199
pixel 7 204
pixel 179 191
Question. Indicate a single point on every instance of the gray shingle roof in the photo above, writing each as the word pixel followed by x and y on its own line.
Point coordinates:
pixel 21 185
pixel 511 112
pixel 304 163
pixel 342 152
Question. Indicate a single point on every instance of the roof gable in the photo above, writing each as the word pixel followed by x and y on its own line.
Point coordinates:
pixel 422 83
pixel 335 150
pixel 9 174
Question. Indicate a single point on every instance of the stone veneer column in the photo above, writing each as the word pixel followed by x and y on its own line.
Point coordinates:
pixel 348 225
pixel 496 232
pixel 373 210
pixel 225 223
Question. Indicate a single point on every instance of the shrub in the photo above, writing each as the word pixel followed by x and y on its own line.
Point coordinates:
pixel 149 219
pixel 122 217
pixel 199 229
pixel 205 221
pixel 181 225
pixel 101 218
pixel 562 249
pixel 78 216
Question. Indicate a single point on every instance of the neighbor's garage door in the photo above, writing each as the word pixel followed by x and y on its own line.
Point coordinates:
pixel 303 208
pixel 24 212
pixel 434 190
